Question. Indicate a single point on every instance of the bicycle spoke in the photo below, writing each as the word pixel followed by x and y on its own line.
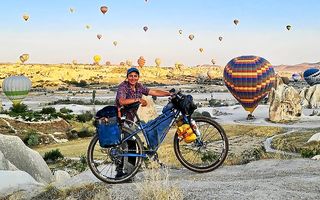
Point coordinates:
pixel 207 153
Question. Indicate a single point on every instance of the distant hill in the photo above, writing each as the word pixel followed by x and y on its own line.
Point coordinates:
pixel 296 68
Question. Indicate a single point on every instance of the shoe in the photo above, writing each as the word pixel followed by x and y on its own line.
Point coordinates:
pixel 120 174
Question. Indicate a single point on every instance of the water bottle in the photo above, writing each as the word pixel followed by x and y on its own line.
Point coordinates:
pixel 195 128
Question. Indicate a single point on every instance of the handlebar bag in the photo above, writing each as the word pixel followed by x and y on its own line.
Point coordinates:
pixel 108 126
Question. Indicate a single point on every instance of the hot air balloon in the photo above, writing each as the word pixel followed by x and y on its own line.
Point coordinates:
pixel 16 88
pixel 180 31
pixel 220 38
pixel 236 21
pixel 312 76
pixel 87 26
pixel 191 37
pixel 157 61
pixel 213 61
pixel 145 28
pixel 115 43
pixel 129 62
pixel 25 17
pixel 71 10
pixel 104 9
pixel 99 36
pixel 201 50
pixel 296 77
pixel 141 61
pixel 249 79
pixel 24 57
pixel 96 59
pixel 288 27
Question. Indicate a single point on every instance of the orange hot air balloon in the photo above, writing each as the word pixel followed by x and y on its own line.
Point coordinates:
pixel 141 61
pixel 220 38
pixel 236 21
pixel 104 9
pixel 25 17
pixel 201 50
pixel 145 28
pixel 191 37
pixel 180 31
pixel 99 36
pixel 115 43
pixel 157 61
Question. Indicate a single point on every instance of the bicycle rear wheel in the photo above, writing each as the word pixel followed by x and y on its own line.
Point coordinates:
pixel 104 161
pixel 206 153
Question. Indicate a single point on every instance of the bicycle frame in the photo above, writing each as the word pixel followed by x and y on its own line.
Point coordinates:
pixel 139 129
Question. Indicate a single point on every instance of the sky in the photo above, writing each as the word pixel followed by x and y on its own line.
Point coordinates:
pixel 55 35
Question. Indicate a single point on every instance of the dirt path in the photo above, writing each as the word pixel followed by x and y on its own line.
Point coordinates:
pixel 264 179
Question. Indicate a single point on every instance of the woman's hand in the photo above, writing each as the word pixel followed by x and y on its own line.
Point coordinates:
pixel 143 102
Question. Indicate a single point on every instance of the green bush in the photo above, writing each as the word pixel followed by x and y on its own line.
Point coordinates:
pixel 206 114
pixel 53 155
pixel 65 116
pixel 309 153
pixel 85 132
pixel 32 138
pixel 48 110
pixel 65 110
pixel 19 108
pixel 85 117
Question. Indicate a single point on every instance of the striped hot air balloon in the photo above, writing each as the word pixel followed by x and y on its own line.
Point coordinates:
pixel 296 77
pixel 16 88
pixel 141 61
pixel 249 79
pixel 312 76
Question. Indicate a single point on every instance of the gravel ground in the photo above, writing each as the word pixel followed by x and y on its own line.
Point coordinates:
pixel 264 179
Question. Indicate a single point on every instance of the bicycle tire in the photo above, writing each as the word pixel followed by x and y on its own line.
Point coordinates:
pixel 98 156
pixel 220 139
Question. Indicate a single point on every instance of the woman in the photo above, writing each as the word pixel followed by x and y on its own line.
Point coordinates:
pixel 130 91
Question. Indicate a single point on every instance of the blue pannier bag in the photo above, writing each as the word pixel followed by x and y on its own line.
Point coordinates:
pixel 156 129
pixel 108 129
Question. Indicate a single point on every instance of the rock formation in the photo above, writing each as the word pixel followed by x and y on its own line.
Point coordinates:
pixel 24 158
pixel 284 104
pixel 311 96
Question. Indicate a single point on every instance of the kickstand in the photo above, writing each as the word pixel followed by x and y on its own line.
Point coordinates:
pixel 156 158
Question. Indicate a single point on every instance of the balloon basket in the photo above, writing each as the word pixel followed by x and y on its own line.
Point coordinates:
pixel 251 117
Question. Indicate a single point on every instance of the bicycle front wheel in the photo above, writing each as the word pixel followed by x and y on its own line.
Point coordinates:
pixel 207 152
pixel 104 162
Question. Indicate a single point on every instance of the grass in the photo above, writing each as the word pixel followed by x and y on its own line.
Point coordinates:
pixel 73 148
pixel 156 185
pixel 88 191
pixel 250 130
pixel 296 142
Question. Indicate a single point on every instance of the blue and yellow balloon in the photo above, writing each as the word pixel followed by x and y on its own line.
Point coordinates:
pixel 249 79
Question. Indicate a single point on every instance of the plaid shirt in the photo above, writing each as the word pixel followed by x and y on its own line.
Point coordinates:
pixel 124 91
